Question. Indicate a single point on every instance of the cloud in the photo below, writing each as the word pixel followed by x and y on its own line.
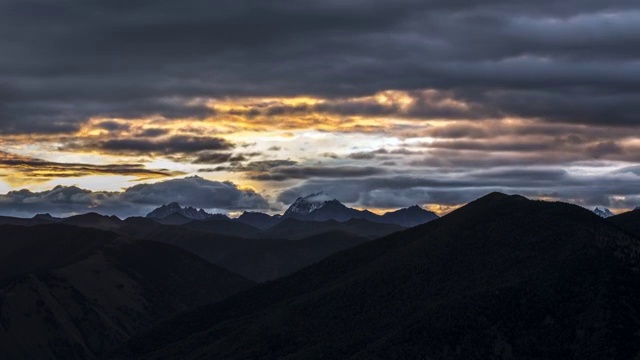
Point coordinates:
pixel 451 189
pixel 283 170
pixel 33 168
pixel 559 62
pixel 459 94
pixel 136 200
pixel 217 158
pixel 176 144
pixel 255 166
pixel 602 149
pixel 306 172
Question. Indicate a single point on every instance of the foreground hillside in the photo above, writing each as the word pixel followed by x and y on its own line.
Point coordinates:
pixel 74 293
pixel 258 259
pixel 503 277
pixel 629 221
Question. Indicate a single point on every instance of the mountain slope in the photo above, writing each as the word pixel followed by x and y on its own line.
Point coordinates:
pixel 502 277
pixel 94 220
pixel 409 217
pixel 175 208
pixel 225 227
pixel 257 219
pixel 629 221
pixel 295 229
pixel 271 259
pixel 9 220
pixel 603 213
pixel 256 259
pixel 73 293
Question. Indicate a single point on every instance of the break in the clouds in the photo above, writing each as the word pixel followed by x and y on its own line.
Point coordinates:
pixel 388 103
pixel 135 200
pixel 23 166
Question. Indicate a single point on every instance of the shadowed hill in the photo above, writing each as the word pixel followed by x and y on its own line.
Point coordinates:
pixel 68 292
pixel 94 220
pixel 271 259
pixel 225 227
pixel 299 229
pixel 502 277
pixel 629 221
pixel 9 220
pixel 256 259
pixel 40 248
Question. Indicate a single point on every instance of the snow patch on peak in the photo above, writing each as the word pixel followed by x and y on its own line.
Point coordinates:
pixel 175 208
pixel 603 213
pixel 308 204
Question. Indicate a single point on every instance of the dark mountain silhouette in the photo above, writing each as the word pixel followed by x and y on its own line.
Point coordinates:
pixel 46 217
pixel 320 207
pixel 174 219
pixel 258 254
pixel 94 220
pixel 256 259
pixel 10 220
pixel 174 208
pixel 69 292
pixel 502 277
pixel 225 227
pixel 295 229
pixel 629 221
pixel 409 217
pixel 258 220
pixel 271 259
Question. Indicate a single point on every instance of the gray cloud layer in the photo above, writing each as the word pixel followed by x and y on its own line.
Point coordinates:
pixel 136 200
pixel 616 189
pixel 570 61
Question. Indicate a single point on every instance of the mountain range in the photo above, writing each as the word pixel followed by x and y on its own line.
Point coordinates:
pixel 502 277
pixel 175 208
pixel 314 207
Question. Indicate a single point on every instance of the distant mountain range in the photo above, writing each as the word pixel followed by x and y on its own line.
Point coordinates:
pixel 175 208
pixel 316 207
pixel 502 277
pixel 320 207
pixel 255 245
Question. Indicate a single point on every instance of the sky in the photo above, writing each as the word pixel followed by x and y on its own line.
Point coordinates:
pixel 120 106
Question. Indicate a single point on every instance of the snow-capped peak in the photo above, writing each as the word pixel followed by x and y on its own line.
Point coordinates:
pixel 306 205
pixel 603 213
pixel 175 208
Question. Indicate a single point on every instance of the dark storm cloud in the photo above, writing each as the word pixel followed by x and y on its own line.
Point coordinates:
pixel 153 132
pixel 112 125
pixel 434 187
pixel 282 170
pixel 307 172
pixel 217 158
pixel 570 61
pixel 256 166
pixel 136 200
pixel 169 145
